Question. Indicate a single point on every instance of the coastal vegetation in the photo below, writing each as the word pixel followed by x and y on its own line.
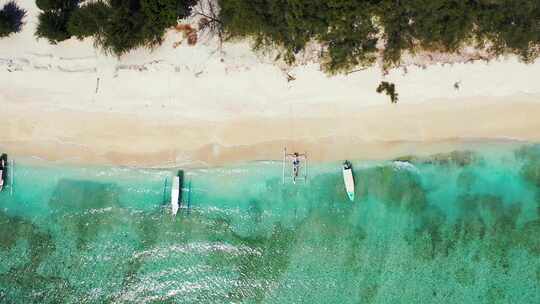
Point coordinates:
pixel 52 21
pixel 117 26
pixel 354 33
pixel 11 19
pixel 389 89
pixel 347 34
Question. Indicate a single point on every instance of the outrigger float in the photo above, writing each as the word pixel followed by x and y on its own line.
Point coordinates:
pixel 348 179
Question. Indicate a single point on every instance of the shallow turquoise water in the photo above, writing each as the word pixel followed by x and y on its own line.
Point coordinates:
pixel 462 227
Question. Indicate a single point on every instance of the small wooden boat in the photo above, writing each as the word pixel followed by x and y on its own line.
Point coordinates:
pixel 3 170
pixel 176 192
pixel 348 179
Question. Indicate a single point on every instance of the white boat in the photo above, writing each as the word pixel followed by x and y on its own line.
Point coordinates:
pixel 3 170
pixel 348 179
pixel 175 194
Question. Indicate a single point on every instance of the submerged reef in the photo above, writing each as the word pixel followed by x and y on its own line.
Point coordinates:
pixel 28 247
pixel 395 188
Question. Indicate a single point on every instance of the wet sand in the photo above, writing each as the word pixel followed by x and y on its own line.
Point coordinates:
pixel 378 132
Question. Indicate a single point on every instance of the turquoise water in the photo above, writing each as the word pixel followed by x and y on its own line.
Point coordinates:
pixel 462 227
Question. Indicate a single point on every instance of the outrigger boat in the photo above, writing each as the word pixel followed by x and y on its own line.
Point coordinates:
pixel 176 192
pixel 299 170
pixel 348 179
pixel 3 170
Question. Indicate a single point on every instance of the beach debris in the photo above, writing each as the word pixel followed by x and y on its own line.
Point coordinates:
pixel 357 70
pixel 97 85
pixel 188 32
pixel 405 70
pixel 290 77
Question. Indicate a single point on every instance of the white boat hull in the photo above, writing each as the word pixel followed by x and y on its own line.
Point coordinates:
pixel 348 179
pixel 175 195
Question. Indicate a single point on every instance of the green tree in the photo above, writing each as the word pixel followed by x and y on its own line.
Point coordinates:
pixel 88 20
pixel 270 24
pixel 49 5
pixel 123 25
pixel 396 19
pixel 184 7
pixel 11 19
pixel 443 25
pixel 510 26
pixel 344 27
pixel 53 20
pixel 136 23
pixel 350 37
pixel 52 25
pixel 389 89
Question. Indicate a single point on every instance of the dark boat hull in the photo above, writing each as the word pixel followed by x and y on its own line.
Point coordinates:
pixel 3 168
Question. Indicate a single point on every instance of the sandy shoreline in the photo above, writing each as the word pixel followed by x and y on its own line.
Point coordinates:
pixel 376 133
pixel 203 105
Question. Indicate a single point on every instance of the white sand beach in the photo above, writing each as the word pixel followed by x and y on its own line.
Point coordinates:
pixel 204 104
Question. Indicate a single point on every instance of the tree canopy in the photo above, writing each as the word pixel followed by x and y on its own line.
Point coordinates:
pixel 117 26
pixel 350 31
pixel 53 26
pixel 11 19
pixel 87 20
pixel 49 5
pixel 53 20
pixel 389 89
pixel 136 23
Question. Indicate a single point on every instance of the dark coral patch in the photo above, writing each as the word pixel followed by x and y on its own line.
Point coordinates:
pixel 397 188
pixel 485 219
pixel 530 155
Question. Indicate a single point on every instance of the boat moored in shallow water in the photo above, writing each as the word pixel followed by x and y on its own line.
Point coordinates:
pixel 348 179
pixel 3 170
pixel 176 191
pixel 299 170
